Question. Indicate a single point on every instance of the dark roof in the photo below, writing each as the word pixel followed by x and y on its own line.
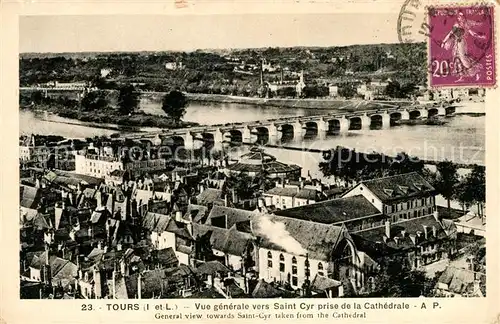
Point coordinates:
pixel 399 186
pixel 333 211
pixel 196 213
pixel 233 215
pixel 266 290
pixel 30 196
pixel 209 196
pixel 296 236
pixel 89 179
pixel 269 167
pixel 208 293
pixel 459 281
pixel 230 241
pixel 321 283
pixel 212 267
pixel 372 242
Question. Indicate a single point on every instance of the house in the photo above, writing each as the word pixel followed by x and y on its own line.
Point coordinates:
pixel 401 197
pixel 355 212
pixel 293 251
pixel 471 224
pixel 234 248
pixel 333 90
pixel 51 269
pixel 458 282
pixel 170 232
pixel 289 196
pixel 173 66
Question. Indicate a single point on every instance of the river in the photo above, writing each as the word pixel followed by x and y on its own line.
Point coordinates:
pixel 461 140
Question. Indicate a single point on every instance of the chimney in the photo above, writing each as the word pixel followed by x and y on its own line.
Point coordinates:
pixel 436 215
pixel 388 229
pixel 413 239
pixel 225 200
pixel 403 233
pixel 98 284
pixel 434 231
pixel 234 196
pixel 114 284
pixel 396 240
pixel 426 234
pixel 178 215
pixel 139 287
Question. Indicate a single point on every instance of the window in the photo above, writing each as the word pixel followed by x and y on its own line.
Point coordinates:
pixel 294 281
pixel 269 259
pixel 307 270
pixel 415 213
pixel 411 203
pixel 407 205
pixel 294 260
pixel 320 266
pixel 294 269
pixel 282 263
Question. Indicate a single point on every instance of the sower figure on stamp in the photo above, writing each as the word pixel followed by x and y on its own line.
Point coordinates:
pixel 456 40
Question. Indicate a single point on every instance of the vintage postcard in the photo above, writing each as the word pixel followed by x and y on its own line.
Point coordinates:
pixel 197 161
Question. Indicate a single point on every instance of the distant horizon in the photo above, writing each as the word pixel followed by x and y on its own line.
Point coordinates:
pixel 213 49
pixel 157 33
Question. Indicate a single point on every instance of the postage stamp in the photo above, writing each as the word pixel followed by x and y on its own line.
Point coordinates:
pixel 461 46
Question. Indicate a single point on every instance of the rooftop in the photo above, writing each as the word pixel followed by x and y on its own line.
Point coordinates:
pixel 399 186
pixel 333 211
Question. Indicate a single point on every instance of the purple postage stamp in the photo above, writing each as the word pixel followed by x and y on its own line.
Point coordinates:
pixel 461 46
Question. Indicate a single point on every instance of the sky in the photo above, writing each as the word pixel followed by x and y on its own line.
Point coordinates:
pixel 100 33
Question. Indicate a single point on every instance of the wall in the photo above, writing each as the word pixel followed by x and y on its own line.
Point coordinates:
pixel 361 189
pixel 163 240
pixel 274 273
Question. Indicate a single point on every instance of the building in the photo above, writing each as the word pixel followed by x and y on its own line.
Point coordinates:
pixel 173 66
pixel 102 161
pixel 285 196
pixel 333 90
pixel 457 282
pixel 471 224
pixel 257 161
pixel 400 197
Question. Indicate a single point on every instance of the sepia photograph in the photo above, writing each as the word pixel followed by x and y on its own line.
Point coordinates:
pixel 264 156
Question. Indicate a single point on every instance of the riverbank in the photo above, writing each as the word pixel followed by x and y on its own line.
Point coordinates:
pixel 109 119
pixel 327 103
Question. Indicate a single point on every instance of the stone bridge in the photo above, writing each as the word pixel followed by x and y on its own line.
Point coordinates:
pixel 272 130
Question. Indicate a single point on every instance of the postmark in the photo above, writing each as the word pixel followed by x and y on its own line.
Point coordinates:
pixel 461 46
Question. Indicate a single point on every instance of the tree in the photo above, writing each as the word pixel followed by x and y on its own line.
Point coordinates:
pixel 94 100
pixel 396 279
pixel 446 180
pixel 174 105
pixel 128 100
pixel 475 185
pixel 347 90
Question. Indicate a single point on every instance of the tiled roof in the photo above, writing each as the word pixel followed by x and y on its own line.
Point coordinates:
pixel 372 242
pixel 30 196
pixel 321 283
pixel 196 213
pixel 212 267
pixel 167 257
pixel 209 196
pixel 233 215
pixel 264 289
pixel 459 281
pixel 296 236
pixel 399 186
pixel 269 167
pixel 230 241
pixel 333 211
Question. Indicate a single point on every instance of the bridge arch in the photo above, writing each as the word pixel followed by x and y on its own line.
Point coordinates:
pixel 432 112
pixel 395 117
pixel 355 123
pixel 450 110
pixel 208 139
pixel 262 135
pixel 311 129
pixel 376 121
pixel 334 126
pixel 415 114
pixel 234 136
pixel 287 132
